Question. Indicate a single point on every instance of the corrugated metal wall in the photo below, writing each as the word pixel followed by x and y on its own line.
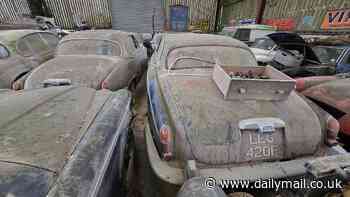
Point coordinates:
pixel 315 10
pixel 238 9
pixel 298 9
pixel 200 11
pixel 66 12
pixel 136 15
pixel 11 10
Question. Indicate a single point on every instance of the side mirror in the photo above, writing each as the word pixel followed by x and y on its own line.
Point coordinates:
pixel 148 45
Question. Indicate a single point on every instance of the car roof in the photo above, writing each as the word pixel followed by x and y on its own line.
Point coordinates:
pixel 191 39
pixel 98 34
pixel 121 37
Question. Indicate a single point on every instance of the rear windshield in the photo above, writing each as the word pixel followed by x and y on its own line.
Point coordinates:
pixel 36 43
pixel 89 47
pixel 208 56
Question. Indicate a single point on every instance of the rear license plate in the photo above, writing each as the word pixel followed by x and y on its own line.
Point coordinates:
pixel 256 146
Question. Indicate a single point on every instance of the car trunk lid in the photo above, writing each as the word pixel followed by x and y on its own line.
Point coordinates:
pixel 88 71
pixel 222 131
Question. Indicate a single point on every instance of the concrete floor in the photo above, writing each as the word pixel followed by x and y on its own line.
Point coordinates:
pixel 139 175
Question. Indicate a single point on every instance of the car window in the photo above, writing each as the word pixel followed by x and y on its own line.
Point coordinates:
pixel 23 48
pixel 327 55
pixel 89 47
pixel 347 60
pixel 32 44
pixel 208 56
pixel 4 53
pixel 242 34
pixel 36 43
pixel 50 39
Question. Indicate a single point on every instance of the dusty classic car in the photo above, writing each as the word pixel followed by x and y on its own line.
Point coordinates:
pixel 98 59
pixel 64 141
pixel 332 93
pixel 21 51
pixel 214 113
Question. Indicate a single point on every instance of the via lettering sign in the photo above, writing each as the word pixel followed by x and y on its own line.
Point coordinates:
pixel 336 19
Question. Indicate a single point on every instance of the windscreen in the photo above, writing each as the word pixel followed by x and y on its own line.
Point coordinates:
pixel 327 55
pixel 89 47
pixel 208 56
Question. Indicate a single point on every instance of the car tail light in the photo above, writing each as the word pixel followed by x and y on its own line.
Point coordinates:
pixel 300 85
pixel 104 84
pixel 166 142
pixel 332 130
pixel 345 124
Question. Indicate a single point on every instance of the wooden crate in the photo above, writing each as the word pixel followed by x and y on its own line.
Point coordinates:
pixel 278 86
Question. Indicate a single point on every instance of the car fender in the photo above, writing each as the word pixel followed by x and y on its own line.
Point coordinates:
pixel 94 169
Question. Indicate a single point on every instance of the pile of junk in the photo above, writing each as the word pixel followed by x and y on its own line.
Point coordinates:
pixel 291 54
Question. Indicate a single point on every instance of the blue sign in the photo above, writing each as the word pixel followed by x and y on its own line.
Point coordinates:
pixel 247 21
pixel 178 18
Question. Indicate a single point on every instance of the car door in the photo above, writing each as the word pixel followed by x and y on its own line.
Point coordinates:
pixel 37 47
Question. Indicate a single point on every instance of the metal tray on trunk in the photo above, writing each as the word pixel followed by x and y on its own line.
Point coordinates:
pixel 252 83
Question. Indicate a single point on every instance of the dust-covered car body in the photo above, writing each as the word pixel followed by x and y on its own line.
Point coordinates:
pixel 63 141
pixel 332 93
pixel 23 50
pixel 98 59
pixel 193 130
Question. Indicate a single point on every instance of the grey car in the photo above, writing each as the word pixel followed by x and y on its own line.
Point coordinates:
pixel 214 113
pixel 101 59
pixel 21 51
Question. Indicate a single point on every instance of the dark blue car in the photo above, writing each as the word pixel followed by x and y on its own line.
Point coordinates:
pixel 339 56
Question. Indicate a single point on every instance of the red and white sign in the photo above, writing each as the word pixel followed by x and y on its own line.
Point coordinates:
pixel 283 24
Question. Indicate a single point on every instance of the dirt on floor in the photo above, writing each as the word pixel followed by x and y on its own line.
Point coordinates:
pixel 137 182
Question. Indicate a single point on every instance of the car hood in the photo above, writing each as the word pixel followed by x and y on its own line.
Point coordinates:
pixel 40 127
pixel 280 38
pixel 208 126
pixel 292 41
pixel 59 141
pixel 333 93
pixel 87 70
